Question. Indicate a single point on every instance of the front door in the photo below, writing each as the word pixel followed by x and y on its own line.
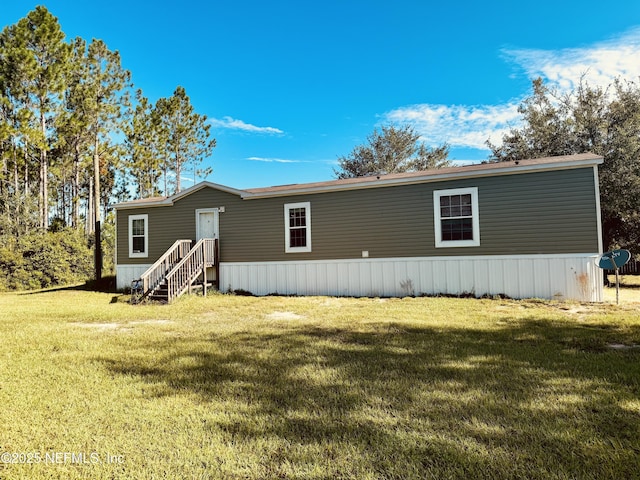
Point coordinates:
pixel 206 223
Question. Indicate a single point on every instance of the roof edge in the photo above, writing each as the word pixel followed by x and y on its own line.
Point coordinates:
pixel 168 201
pixel 427 176
pixel 430 176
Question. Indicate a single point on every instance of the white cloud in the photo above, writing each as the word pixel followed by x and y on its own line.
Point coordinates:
pixel 458 125
pixel 472 125
pixel 274 160
pixel 600 63
pixel 233 124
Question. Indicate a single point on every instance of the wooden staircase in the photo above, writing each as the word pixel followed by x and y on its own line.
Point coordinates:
pixel 179 270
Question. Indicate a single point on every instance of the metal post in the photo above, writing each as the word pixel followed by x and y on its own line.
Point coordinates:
pixel 204 281
pixel 98 251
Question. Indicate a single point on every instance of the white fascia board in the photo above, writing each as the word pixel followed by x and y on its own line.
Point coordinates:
pixel 201 185
pixel 301 189
pixel 430 178
pixel 172 199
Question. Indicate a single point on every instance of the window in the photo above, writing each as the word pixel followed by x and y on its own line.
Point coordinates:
pixel 138 236
pixel 297 229
pixel 456 217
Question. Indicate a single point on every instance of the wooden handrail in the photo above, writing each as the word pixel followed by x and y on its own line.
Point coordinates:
pixel 156 273
pixel 181 276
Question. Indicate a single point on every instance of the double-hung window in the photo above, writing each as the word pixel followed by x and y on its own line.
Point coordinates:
pixel 297 227
pixel 138 236
pixel 457 223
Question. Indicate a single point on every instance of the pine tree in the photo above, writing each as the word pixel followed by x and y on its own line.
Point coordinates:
pixel 186 133
pixel 74 136
pixel 34 70
pixel 105 85
pixel 144 149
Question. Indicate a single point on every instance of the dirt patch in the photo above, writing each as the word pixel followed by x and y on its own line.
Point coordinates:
pixel 99 326
pixel 120 326
pixel 151 322
pixel 330 302
pixel 623 347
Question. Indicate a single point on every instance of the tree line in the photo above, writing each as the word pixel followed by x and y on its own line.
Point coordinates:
pixel 72 138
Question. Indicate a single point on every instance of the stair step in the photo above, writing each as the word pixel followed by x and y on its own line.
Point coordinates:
pixel 160 293
pixel 159 298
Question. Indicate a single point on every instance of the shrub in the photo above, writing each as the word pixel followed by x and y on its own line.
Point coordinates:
pixel 40 260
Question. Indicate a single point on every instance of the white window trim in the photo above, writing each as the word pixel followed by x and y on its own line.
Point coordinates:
pixel 287 231
pixel 474 212
pixel 144 254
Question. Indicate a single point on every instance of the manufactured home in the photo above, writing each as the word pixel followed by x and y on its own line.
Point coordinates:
pixel 529 228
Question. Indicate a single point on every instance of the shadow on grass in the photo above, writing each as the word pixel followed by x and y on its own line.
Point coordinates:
pixel 626 281
pixel 104 285
pixel 529 399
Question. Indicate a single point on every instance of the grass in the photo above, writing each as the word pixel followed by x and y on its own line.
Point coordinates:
pixel 312 388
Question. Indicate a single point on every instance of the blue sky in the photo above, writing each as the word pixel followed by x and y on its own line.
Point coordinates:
pixel 289 86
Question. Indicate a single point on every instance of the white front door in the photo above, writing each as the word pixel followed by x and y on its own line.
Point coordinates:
pixel 207 223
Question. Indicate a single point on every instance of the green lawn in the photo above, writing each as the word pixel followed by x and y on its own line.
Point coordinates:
pixel 315 388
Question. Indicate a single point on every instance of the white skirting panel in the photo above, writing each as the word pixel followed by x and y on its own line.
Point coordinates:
pixel 125 274
pixel 566 276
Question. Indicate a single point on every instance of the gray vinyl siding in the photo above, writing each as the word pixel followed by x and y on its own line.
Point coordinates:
pixel 549 212
pixel 533 213
pixel 169 223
